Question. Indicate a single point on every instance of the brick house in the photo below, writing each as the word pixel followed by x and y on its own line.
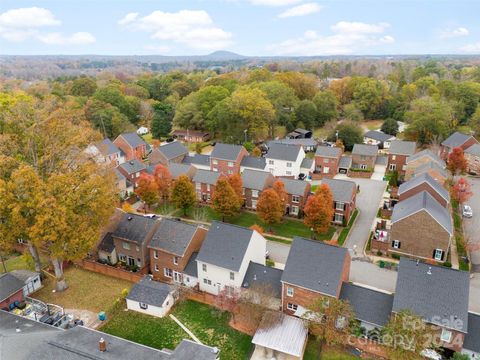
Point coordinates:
pixel 226 158
pixel 364 157
pixel 297 194
pixel 421 158
pixel 437 294
pixel 132 145
pixel 254 182
pixel 314 270
pixel 11 290
pixel 106 152
pixel 472 155
pixel 173 152
pixel 457 139
pixel 398 155
pixel 132 170
pixel 190 135
pixel 327 160
pixel 421 228
pixel 205 182
pixel 424 182
pixel 131 238
pixel 171 247
pixel 344 199
pixel 434 170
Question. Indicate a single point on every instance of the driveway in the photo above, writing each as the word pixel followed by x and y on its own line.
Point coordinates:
pixel 367 273
pixel 278 252
pixel 472 225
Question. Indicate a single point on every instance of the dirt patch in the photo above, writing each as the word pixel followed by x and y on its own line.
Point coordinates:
pixel 89 318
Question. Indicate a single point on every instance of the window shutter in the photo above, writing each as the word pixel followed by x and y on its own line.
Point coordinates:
pixel 399 244
pixel 433 256
pixel 393 244
pixel 443 254
pixel 344 206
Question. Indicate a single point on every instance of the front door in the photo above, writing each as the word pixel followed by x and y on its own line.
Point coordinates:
pixel 131 261
pixel 177 277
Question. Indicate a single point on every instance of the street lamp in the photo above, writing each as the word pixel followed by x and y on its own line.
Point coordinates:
pixel 313 234
pixel 245 133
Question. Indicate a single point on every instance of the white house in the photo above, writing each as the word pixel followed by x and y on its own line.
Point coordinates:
pixel 225 255
pixel 31 279
pixel 105 152
pixel 142 130
pixel 150 297
pixel 284 159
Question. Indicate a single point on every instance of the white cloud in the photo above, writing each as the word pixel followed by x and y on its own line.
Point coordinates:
pixel 193 28
pixel 453 33
pixel 275 2
pixel 78 38
pixel 347 38
pixel 301 10
pixel 32 17
pixel 471 48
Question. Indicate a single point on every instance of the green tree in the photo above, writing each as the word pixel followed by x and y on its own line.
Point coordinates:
pixel 326 104
pixel 352 112
pixel 304 85
pixel 162 120
pixel 107 118
pixel 83 86
pixel 158 87
pixel 306 112
pixel 349 133
pixel 183 194
pixel 474 122
pixel 369 96
pixel 390 126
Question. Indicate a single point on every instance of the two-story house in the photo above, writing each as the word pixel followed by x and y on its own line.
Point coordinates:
pixel 378 138
pixel 344 199
pixel 132 145
pixel 435 170
pixel 472 155
pixel 205 182
pixel 171 247
pixel 254 182
pixel 181 169
pixel 419 159
pixel 131 238
pixel 173 152
pixel 132 170
pixel 424 182
pixel 327 161
pixel 457 139
pixel 253 163
pixel 308 144
pixel 398 155
pixel 106 152
pixel 226 158
pixel 364 157
pixel 421 227
pixel 124 187
pixel 225 255
pixel 314 271
pixel 297 194
pixel 284 160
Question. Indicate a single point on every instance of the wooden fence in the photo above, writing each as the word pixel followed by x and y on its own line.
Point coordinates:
pixel 113 271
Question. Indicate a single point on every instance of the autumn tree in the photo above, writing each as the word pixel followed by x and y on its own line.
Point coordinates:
pixel 461 191
pixel 279 188
pixel 257 228
pixel 235 181
pixel 256 152
pixel 319 210
pixel 304 85
pixel 225 200
pixel 456 162
pixel 163 179
pixel 269 207
pixel 147 190
pixel 183 194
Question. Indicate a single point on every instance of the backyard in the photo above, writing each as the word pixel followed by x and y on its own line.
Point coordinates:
pixel 16 261
pixel 312 352
pixel 209 324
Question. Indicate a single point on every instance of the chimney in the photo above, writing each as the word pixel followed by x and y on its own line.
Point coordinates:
pixel 102 345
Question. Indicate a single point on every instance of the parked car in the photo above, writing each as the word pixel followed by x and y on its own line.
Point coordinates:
pixel 467 211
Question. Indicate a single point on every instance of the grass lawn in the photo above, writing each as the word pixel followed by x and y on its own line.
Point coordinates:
pixel 343 235
pixel 20 262
pixel 165 209
pixel 207 323
pixel 87 290
pixel 311 352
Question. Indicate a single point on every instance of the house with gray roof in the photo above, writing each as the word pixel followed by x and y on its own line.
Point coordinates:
pixel 253 163
pixel 173 152
pixel 308 144
pixel 344 199
pixel 150 297
pixel 300 134
pixel 205 182
pixel 171 247
pixel 314 270
pixel 421 158
pixel 297 195
pixel 378 138
pixel 398 155
pixel 471 344
pixel 472 155
pixel 132 170
pixel 132 145
pixel 456 140
pixel 437 172
pixel 364 157
pixel 284 159
pixel 105 152
pixel 200 161
pixel 421 227
pixel 31 280
pixel 226 158
pixel 436 293
pixel 176 170
pixel 327 159
pixel 11 291
pixel 424 182
pixel 261 276
pixel 225 255
pixel 254 182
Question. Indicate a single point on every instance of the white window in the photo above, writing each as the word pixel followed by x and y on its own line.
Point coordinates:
pixel 288 172
pixel 126 245
pixel 230 164
pixel 394 157
pixel 438 254
pixel 446 335
pixel 214 169
pixel 230 291
pixel 338 218
pixel 270 162
pixel 198 186
pixel 294 210
pixel 204 267
pixel 137 174
pixel 143 306
pixel 289 291
pixel 363 167
pixel 208 187
pixel 206 281
pixel 175 260
pixel 254 204
pixel 396 244
pixel 167 272
pixel 122 257
pixel 155 254
pixel 295 198
pixel 392 167
pixel 325 161
pixel 271 170
pixel 214 162
pixel 209 196
pixel 326 170
pixel 137 248
pixel 232 275
pixel 156 267
pixel 292 307
pixel 289 164
pixel 255 193
pixel 339 205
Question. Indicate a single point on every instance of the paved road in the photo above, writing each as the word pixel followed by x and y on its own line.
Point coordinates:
pixel 278 251
pixel 472 225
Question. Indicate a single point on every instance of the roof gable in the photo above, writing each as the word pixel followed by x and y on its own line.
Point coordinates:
pixel 284 152
pixel 206 177
pixel 173 236
pixel 149 291
pixel 226 151
pixel 399 147
pixel 134 228
pixel 295 187
pixel 256 180
pixel 424 178
pixel 342 190
pixel 172 150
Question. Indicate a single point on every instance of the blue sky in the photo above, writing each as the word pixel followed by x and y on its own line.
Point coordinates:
pixel 248 27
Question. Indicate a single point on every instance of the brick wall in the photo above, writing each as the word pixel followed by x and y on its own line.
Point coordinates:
pixel 18 296
pixel 222 165
pixel 399 161
pixel 323 162
pixel 204 191
pixel 358 160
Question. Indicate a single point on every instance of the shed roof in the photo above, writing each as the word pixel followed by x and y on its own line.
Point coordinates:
pixel 342 190
pixel 226 151
pixel 24 275
pixel 400 147
pixel 283 152
pixel 306 163
pixel 149 291
pixel 107 244
pixel 9 285
pixel 364 149
pixel 191 268
pixel 472 338
pixel 300 142
pixel 256 180
pixel 345 162
pixel 173 236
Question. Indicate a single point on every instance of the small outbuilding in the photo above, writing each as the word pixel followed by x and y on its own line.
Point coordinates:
pixel 11 291
pixel 150 297
pixel 31 280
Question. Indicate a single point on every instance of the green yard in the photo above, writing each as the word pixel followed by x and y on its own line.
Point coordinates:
pixel 343 235
pixel 207 323
pixel 312 352
pixel 20 262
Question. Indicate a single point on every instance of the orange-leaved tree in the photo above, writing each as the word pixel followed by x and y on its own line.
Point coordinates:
pixel 163 178
pixel 256 152
pixel 279 188
pixel 461 191
pixel 224 200
pixel 147 190
pixel 269 207
pixel 319 210
pixel 457 164
pixel 183 193
pixel 236 183
pixel 257 228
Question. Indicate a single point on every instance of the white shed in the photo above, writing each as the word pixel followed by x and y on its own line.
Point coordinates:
pixel 31 279
pixel 142 130
pixel 150 297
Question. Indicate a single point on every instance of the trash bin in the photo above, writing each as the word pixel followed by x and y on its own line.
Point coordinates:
pixel 102 316
pixel 382 264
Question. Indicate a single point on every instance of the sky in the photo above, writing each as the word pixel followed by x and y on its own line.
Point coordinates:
pixel 247 27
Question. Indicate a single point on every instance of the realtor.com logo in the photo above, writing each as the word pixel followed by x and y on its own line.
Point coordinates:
pixel 444 331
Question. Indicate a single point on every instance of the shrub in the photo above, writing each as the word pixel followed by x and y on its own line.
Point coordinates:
pixel 447 264
pixel 270 263
pixel 379 253
pixel 396 256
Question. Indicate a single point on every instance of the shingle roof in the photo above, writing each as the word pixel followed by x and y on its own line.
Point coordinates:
pixel 206 177
pixel 107 244
pixel 149 291
pixel 132 166
pixel 328 151
pixel 400 147
pixel 472 339
pixel 197 159
pixel 378 135
pixel 345 162
pixel 432 165
pixel 456 139
pixel 473 150
pixel 9 285
pixel 134 228
pixel 428 153
pixel 295 187
pixel 173 150
pixel 226 151
pixel 254 162
pixel 315 265
pixel 342 190
pixel 283 152
pixel 179 169
pixel 191 268
pixel 436 293
pixel 106 147
pixel 24 275
pixel 119 175
pixel 133 139
pixel 189 350
pixel 306 163
pixel 225 245
pixel 424 178
pixel 364 149
pixel 256 180
pixel 369 305
pixel 300 142
pixel 173 236
pixel 263 276
pixel 419 202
